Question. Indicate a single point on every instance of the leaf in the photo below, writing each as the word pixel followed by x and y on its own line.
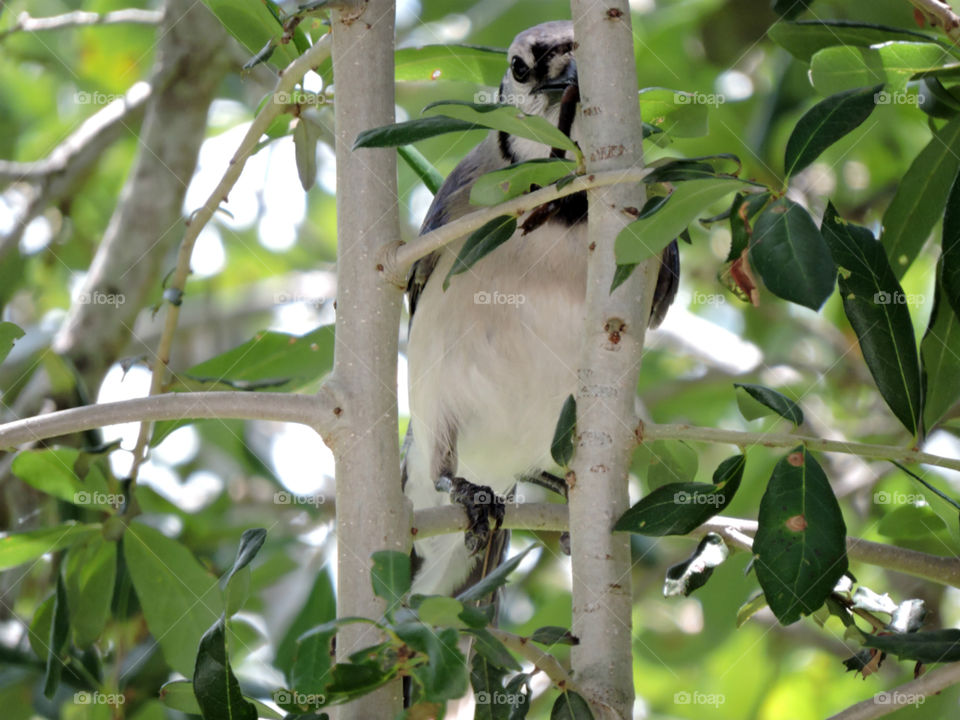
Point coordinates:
pixel 940 356
pixel 390 576
pixel 921 196
pixel 564 434
pixel 554 635
pixel 305 137
pixel 875 306
pixel 236 583
pixel 799 548
pixel 51 471
pixel 744 207
pixel 480 243
pixel 750 608
pixel 911 522
pixel 451 63
pixel 214 684
pixel 664 461
pixel 804 38
pixel 19 548
pixel 251 23
pixel 9 334
pixel 57 640
pixel 647 237
pixel 950 247
pixel 505 118
pixel 91 571
pixel 440 610
pixel 443 677
pixel 411 131
pixel 502 185
pixel 680 508
pixel 421 166
pixel 790 255
pixel 932 646
pixel 670 112
pixel 780 404
pixel 178 695
pixel 570 706
pixel 825 123
pixel 299 659
pixel 180 599
pixel 685 577
pixel 493 650
pixel 835 69
pixel 250 543
pixel 489 694
pixel 494 580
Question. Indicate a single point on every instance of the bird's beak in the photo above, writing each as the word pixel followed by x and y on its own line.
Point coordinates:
pixel 556 86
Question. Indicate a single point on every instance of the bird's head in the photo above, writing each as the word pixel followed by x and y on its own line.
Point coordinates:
pixel 541 69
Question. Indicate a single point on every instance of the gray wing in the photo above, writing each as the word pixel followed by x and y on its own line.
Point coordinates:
pixel 452 201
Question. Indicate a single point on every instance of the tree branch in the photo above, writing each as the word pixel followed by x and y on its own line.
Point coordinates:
pixel 910 693
pixel 940 14
pixel 541 659
pixel 318 411
pixel 78 18
pixel 649 432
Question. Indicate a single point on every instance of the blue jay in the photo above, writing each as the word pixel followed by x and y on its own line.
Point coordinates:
pixel 493 357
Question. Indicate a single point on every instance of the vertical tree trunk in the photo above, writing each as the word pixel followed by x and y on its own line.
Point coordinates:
pixel 371 511
pixel 609 363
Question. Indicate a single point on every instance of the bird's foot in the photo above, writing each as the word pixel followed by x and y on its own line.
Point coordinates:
pixel 480 504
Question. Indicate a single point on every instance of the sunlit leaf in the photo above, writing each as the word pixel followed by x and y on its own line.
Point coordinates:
pixel 23 547
pixel 502 185
pixel 457 63
pixel 775 401
pixel 803 38
pixel 835 69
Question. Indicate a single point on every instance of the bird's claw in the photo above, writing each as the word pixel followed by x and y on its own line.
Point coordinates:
pixel 480 504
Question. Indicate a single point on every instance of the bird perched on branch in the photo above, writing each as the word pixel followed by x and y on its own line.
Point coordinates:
pixel 493 357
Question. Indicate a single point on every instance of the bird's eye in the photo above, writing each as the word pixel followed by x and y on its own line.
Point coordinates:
pixel 520 68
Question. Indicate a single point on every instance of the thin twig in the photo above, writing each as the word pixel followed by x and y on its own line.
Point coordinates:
pixel 914 692
pixel 542 660
pixel 288 79
pixel 78 18
pixel 940 14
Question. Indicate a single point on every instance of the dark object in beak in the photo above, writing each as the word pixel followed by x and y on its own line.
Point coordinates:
pixel 556 86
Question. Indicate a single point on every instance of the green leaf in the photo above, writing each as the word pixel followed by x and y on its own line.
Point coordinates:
pixel 487 681
pixel 554 635
pixel 9 334
pixel 750 608
pixel 911 522
pixel 493 650
pixel 940 355
pixel 502 185
pixel 950 247
pixel 742 210
pixel 417 162
pixel 443 677
pixel 565 432
pixel 779 403
pixel 505 118
pixel 178 695
pixel 664 461
pixel 456 63
pixel 932 646
pixel 804 38
pixel 180 599
pixel 673 112
pixel 57 640
pixel 679 508
pixel 52 471
pixel 250 543
pixel 570 706
pixel 825 123
pixel 299 659
pixel 480 243
pixel 411 131
pixel 305 138
pixel 790 255
pixel 390 576
pixel 19 548
pixel 647 237
pixel 799 548
pixel 494 580
pixel 835 69
pixel 91 570
pixel 921 196
pixel 441 610
pixel 214 684
pixel 875 306
pixel 253 25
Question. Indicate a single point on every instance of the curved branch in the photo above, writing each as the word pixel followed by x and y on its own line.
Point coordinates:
pixel 939 14
pixel 541 659
pixel 319 411
pixel 910 693
pixel 788 440
pixel 78 18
